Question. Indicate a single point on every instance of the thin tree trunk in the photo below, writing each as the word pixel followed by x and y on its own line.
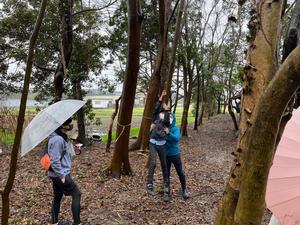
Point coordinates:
pixel 262 64
pixel 174 48
pixel 80 115
pixel 120 160
pixel 113 116
pixel 187 100
pixel 66 11
pixel 219 104
pixel 14 153
pixel 188 83
pixel 236 127
pixel 261 140
pixel 177 89
pixel 197 100
pixel 154 84
pixel 203 97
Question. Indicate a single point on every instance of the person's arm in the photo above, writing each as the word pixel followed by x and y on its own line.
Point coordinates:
pixel 158 107
pixel 55 151
pixel 173 135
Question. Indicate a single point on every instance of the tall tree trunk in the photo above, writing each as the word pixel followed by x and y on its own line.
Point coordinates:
pixel 262 64
pixel 261 140
pixel 177 89
pixel 188 85
pixel 188 82
pixel 224 104
pixel 154 84
pixel 80 115
pixel 14 153
pixel 237 41
pixel 219 104
pixel 203 97
pixel 65 11
pixel 120 160
pixel 165 61
pixel 113 116
pixel 174 49
pixel 197 100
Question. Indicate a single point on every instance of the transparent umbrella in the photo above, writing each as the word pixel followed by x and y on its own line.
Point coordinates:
pixel 47 121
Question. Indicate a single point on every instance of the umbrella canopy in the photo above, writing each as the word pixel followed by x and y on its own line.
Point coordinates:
pixel 47 121
pixel 283 188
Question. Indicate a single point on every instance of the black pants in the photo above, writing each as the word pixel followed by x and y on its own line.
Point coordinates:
pixel 160 150
pixel 69 188
pixel 176 161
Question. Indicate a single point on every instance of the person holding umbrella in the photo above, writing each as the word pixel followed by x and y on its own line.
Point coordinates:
pixel 54 122
pixel 60 150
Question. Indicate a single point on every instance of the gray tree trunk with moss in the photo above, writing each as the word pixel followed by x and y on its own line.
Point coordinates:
pixel 261 141
pixel 261 67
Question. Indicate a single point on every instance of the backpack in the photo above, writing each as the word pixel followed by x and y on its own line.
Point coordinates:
pixel 45 159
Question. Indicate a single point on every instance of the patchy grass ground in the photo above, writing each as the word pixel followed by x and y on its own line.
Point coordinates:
pixel 207 160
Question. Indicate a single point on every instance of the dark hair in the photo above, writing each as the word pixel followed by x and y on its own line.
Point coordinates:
pixel 68 121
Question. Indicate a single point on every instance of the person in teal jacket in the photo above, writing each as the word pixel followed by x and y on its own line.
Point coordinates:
pixel 173 153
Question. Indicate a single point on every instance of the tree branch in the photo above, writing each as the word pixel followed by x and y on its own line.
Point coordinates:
pixel 44 68
pixel 96 9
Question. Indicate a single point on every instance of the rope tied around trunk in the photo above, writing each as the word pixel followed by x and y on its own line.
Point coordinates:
pixel 123 129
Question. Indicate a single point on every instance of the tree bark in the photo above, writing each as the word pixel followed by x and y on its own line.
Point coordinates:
pixel 120 160
pixel 197 100
pixel 80 115
pixel 14 153
pixel 174 49
pixel 154 84
pixel 188 83
pixel 113 116
pixel 262 64
pixel 262 139
pixel 66 12
pixel 177 89
pixel 236 127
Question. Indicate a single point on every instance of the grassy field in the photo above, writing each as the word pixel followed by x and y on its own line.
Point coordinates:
pixel 8 138
pixel 137 113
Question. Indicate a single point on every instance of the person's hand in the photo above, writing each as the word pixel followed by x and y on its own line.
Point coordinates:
pixel 166 130
pixel 63 179
pixel 152 126
pixel 78 146
pixel 163 94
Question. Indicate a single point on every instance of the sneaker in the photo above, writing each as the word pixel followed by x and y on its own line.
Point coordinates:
pixel 63 222
pixel 150 189
pixel 185 195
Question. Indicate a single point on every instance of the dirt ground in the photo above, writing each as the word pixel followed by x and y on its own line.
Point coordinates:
pixel 207 159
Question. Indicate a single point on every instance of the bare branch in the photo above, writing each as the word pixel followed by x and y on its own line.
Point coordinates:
pixel 96 9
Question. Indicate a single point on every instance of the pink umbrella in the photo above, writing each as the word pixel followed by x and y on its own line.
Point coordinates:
pixel 283 188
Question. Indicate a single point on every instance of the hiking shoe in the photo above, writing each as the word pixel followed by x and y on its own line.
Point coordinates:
pixel 150 189
pixel 63 222
pixel 185 195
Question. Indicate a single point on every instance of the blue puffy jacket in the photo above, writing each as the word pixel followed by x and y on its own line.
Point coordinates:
pixel 173 138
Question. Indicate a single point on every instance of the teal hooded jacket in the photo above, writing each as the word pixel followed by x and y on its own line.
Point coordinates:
pixel 173 138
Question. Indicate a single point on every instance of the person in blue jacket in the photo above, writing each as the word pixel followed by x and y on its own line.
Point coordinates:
pixel 60 150
pixel 173 153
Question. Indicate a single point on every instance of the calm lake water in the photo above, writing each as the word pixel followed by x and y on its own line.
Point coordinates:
pixel 16 103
